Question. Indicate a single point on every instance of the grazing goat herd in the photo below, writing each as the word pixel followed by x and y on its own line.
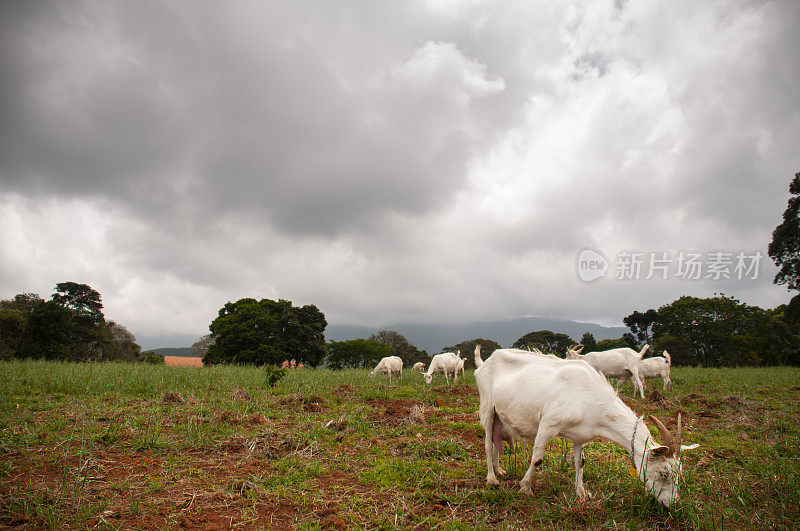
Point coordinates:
pixel 531 396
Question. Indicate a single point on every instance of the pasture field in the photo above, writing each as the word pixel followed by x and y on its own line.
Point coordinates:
pixel 126 446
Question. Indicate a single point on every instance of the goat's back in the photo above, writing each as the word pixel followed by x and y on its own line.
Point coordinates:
pixel 444 361
pixel 523 389
pixel 614 363
pixel 653 366
pixel 393 363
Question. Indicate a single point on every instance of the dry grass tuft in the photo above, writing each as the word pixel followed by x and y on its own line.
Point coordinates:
pixel 173 397
pixel 416 414
pixel 241 394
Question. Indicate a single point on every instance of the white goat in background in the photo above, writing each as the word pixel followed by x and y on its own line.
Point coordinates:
pixel 460 366
pixel 418 366
pixel 389 365
pixel 657 367
pixel 538 398
pixel 618 363
pixel 445 363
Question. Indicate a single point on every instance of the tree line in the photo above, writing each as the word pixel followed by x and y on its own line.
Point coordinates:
pixel 68 326
pixel 710 332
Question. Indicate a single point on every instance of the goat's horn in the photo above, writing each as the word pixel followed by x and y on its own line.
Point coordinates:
pixel 678 437
pixel 666 436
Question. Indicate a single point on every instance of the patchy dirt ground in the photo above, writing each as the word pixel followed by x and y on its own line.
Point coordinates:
pixel 359 454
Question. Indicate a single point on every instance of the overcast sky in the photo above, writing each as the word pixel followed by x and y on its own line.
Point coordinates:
pixel 428 162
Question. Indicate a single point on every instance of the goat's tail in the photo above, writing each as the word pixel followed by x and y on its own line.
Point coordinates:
pixel 644 349
pixel 669 358
pixel 478 360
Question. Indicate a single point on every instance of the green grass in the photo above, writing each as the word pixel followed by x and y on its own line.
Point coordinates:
pixel 146 446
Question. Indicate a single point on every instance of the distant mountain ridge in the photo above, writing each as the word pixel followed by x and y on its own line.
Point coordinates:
pixel 433 338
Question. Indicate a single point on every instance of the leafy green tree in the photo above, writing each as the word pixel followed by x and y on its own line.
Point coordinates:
pixel 81 299
pixel 22 302
pixel 722 331
pixel 407 352
pixel 119 343
pixel 608 344
pixel 12 330
pixel 49 332
pixel 546 341
pixel 304 334
pixel 467 349
pixel 641 324
pixel 589 342
pixel 267 332
pixel 677 346
pixel 200 347
pixel 14 323
pixel 785 246
pixel 152 357
pixel 88 336
pixel 356 353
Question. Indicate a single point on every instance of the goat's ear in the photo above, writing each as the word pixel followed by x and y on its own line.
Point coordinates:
pixel 659 451
pixel 685 447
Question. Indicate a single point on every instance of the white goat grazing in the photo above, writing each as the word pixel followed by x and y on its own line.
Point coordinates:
pixel 389 365
pixel 460 366
pixel 538 398
pixel 657 367
pixel 620 363
pixel 446 363
pixel 418 366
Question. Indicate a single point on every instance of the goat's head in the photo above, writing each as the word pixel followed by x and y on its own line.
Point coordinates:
pixel 428 377
pixel 573 352
pixel 662 464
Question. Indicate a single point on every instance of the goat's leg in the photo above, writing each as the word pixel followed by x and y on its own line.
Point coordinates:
pixel 543 437
pixel 579 461
pixel 638 383
pixel 491 455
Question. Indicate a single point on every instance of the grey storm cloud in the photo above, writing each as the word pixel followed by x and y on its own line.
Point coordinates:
pixel 428 160
pixel 235 111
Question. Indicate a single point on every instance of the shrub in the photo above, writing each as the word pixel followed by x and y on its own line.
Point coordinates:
pixel 151 357
pixel 273 374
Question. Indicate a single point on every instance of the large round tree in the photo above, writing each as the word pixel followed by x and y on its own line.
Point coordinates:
pixel 546 341
pixel 267 332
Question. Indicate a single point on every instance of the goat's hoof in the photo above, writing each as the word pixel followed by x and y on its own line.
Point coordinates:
pixel 501 472
pixel 492 482
pixel 525 488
